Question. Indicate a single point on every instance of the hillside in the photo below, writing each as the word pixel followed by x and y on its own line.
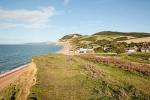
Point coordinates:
pixel 110 35
pixel 136 40
pixel 83 77
pixel 70 36
pixel 134 34
pixel 115 37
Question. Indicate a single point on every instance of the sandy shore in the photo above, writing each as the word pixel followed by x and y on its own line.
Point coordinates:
pixel 9 77
pixel 12 71
pixel 66 47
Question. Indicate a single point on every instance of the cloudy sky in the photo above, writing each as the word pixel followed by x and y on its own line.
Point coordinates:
pixel 23 21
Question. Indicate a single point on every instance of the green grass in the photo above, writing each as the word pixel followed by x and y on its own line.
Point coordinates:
pixel 137 57
pixel 61 77
pixel 134 34
pixel 58 79
pixel 9 93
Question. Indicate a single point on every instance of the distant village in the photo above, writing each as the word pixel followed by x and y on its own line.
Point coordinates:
pixel 137 49
pixel 114 46
pixel 128 48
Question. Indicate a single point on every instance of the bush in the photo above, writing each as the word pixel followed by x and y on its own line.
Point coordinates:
pixel 99 49
pixel 121 38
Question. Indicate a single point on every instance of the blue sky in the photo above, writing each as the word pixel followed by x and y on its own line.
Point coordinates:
pixel 24 21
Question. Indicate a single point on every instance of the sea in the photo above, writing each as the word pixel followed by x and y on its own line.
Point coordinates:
pixel 14 56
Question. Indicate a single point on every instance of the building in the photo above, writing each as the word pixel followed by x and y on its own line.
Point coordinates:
pixel 131 51
pixel 145 50
pixel 84 50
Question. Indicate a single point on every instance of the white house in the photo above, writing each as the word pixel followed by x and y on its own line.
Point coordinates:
pixel 84 50
pixel 131 51
pixel 145 50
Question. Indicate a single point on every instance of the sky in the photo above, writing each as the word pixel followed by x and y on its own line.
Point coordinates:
pixel 23 21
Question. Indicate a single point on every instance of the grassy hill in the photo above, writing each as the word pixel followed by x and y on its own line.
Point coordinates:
pixel 137 40
pixel 62 77
pixel 70 36
pixel 84 40
pixel 134 34
pixel 106 35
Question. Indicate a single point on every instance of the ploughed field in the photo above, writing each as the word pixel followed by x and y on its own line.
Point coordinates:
pixel 82 77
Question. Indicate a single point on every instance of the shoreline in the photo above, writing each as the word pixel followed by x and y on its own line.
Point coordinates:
pixel 11 76
pixel 14 70
pixel 5 73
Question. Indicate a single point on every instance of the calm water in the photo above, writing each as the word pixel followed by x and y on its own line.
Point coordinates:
pixel 13 56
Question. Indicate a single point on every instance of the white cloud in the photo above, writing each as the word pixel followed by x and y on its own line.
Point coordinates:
pixel 26 18
pixel 66 2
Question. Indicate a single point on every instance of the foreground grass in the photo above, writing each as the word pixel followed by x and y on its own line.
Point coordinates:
pixel 10 93
pixel 61 77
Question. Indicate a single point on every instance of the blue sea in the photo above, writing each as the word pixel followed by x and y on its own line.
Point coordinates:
pixel 13 56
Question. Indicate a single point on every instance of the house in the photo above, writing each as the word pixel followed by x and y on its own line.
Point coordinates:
pixel 132 49
pixel 105 48
pixel 84 50
pixel 145 49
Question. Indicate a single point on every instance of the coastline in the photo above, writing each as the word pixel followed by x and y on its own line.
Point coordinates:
pixel 14 70
pixel 11 76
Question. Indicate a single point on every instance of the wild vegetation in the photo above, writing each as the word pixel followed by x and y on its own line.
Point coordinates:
pixel 62 77
pixel 142 56
pixel 10 93
pixel 118 62
pixel 137 57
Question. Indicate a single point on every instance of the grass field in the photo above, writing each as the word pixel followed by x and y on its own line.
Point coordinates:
pixel 62 77
pixel 137 57
pixel 137 40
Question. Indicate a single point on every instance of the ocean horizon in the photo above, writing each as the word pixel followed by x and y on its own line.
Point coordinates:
pixel 15 55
